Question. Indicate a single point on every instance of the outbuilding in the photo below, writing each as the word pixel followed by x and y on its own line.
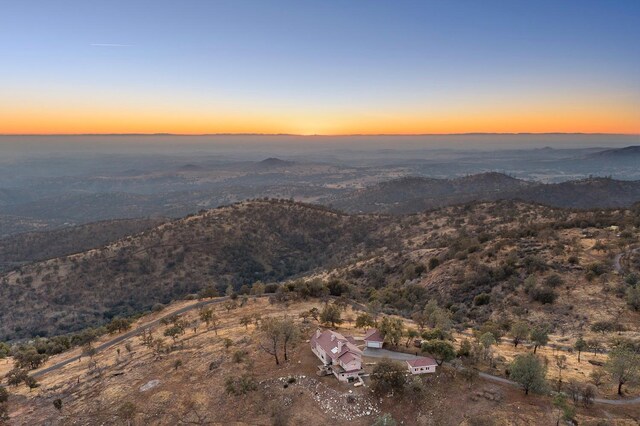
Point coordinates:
pixel 373 338
pixel 422 365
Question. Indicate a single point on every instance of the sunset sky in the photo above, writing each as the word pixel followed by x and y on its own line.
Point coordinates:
pixel 319 67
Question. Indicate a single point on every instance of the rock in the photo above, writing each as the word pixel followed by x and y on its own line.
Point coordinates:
pixel 149 385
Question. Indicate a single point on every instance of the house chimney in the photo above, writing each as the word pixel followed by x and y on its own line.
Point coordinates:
pixel 339 346
pixel 333 337
pixel 318 333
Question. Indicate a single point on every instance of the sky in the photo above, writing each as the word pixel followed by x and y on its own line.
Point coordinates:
pixel 319 67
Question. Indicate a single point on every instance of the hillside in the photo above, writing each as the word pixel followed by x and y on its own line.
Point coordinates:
pixel 629 152
pixel 584 194
pixel 234 246
pixel 415 194
pixel 484 248
pixel 34 246
pixel 455 272
pixel 222 375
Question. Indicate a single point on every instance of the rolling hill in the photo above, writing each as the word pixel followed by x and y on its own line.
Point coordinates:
pixel 629 152
pixel 35 246
pixel 274 241
pixel 234 245
pixel 415 194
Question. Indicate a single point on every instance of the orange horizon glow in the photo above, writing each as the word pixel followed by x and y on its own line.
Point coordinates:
pixel 388 69
pixel 59 121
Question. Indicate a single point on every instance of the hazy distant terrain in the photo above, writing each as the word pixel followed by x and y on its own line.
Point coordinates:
pixel 146 177
pixel 416 194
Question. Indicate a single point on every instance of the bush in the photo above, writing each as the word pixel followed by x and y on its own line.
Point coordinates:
pixel 606 327
pixel 482 299
pixel 633 297
pixel 5 350
pixel 215 364
pixel 57 403
pixel 240 385
pixel 433 263
pixel 157 307
pixel 554 280
pixel 543 295
pixel 239 356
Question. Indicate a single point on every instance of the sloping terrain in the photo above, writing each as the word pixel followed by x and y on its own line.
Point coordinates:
pixel 34 246
pixel 479 266
pixel 235 245
pixel 485 249
pixel 191 381
pixel 627 153
pixel 584 194
pixel 415 194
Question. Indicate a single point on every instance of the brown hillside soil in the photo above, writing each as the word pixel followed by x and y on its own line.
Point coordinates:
pixel 142 388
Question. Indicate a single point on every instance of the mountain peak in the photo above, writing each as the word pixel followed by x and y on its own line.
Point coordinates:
pixel 274 162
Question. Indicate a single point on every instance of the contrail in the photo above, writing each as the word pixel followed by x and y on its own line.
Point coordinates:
pixel 110 45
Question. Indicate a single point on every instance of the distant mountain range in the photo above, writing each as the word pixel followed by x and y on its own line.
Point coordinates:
pixel 415 194
pixel 630 152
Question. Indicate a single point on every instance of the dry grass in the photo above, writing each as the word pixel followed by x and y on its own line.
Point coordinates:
pixel 193 392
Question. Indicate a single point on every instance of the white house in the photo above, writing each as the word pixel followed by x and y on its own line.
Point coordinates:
pixel 338 353
pixel 422 365
pixel 373 338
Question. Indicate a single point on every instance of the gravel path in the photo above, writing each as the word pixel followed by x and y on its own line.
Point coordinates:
pixel 128 334
pixel 617 264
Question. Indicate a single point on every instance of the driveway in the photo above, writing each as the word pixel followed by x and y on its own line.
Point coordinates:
pixel 385 353
pixel 399 356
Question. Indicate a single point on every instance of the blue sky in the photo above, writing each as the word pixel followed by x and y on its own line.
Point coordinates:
pixel 338 62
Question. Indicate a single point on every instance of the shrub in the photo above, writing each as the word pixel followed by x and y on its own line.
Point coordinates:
pixel 482 299
pixel 239 356
pixel 433 263
pixel 240 385
pixel 554 280
pixel 543 295
pixel 157 307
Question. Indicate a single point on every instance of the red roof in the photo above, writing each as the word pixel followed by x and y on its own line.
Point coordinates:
pixel 347 357
pixel 334 344
pixel 422 361
pixel 373 335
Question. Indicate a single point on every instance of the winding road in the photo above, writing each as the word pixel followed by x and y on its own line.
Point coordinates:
pixel 617 261
pixel 369 352
pixel 128 334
